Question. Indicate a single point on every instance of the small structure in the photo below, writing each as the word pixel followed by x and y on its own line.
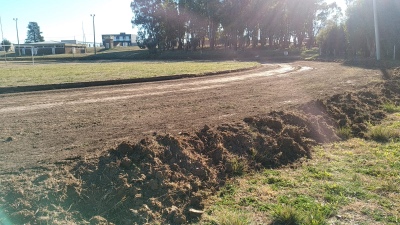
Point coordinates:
pixel 117 40
pixel 50 48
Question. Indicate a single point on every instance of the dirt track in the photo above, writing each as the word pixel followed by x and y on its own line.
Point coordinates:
pixel 45 127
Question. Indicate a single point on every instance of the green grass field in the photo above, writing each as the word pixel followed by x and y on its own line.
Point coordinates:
pixel 25 74
pixel 351 182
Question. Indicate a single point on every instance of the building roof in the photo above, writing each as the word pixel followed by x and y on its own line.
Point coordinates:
pixel 51 43
pixel 46 43
pixel 122 33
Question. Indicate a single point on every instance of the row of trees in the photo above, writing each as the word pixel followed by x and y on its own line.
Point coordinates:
pixel 164 24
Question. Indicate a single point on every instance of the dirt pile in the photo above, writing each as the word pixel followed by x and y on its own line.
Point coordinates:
pixel 356 110
pixel 165 178
pixel 351 110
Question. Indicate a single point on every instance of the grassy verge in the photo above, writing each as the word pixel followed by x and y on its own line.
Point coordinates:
pixel 24 74
pixel 351 182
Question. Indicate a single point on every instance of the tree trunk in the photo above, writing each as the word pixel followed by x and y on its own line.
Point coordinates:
pixel 300 39
pixel 262 38
pixel 212 35
pixel 270 41
pixel 235 40
pixel 254 38
pixel 310 42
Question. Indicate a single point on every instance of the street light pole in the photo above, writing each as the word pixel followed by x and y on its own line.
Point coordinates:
pixel 94 34
pixel 2 37
pixel 16 27
pixel 2 41
pixel 377 40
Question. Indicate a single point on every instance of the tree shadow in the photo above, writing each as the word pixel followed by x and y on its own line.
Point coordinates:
pixel 205 54
pixel 385 66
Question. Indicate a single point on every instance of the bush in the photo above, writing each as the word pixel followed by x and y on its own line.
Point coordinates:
pixel 383 134
pixel 345 133
pixel 237 166
pixel 286 215
pixel 226 217
pixel 391 108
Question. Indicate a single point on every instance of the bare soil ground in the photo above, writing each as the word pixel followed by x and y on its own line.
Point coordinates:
pixel 45 127
pixel 154 152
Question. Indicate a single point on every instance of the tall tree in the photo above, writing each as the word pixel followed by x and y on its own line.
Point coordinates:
pixel 360 26
pixel 389 19
pixel 202 20
pixel 34 34
pixel 332 39
pixel 158 22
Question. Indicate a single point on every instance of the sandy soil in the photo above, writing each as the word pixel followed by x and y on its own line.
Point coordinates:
pixel 41 128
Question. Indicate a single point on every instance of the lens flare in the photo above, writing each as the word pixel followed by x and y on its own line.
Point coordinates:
pixel 4 219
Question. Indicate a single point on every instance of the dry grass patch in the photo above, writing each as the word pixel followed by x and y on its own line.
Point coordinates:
pixel 389 130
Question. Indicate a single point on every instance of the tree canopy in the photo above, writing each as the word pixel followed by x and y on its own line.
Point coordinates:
pixel 34 34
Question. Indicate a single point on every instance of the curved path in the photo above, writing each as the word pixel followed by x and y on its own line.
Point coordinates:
pixel 64 98
pixel 39 128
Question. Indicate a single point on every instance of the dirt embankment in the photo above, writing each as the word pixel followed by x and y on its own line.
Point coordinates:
pixel 167 179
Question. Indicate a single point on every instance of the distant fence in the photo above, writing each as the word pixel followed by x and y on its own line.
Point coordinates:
pixel 3 49
pixel 32 49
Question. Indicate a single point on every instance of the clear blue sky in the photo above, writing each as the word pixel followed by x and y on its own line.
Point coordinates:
pixel 62 19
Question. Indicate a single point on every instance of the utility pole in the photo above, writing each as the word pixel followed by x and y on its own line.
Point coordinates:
pixel 1 26
pixel 377 40
pixel 84 37
pixel 16 27
pixel 94 34
pixel 2 41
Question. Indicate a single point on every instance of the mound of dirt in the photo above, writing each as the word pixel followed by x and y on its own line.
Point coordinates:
pixel 396 72
pixel 356 110
pixel 166 179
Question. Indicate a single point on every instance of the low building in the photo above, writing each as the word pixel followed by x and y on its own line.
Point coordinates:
pixel 117 40
pixel 50 48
